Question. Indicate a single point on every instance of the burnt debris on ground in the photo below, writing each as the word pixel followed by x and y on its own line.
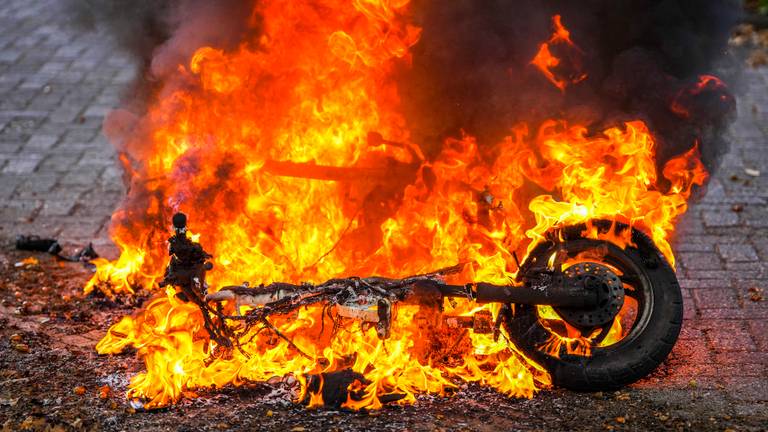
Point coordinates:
pixel 35 243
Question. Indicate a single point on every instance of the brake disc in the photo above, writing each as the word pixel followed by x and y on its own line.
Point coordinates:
pixel 605 283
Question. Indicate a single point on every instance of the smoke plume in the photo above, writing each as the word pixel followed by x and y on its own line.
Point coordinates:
pixel 472 68
pixel 162 34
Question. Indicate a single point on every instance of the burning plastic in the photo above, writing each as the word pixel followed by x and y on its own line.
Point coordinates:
pixel 547 63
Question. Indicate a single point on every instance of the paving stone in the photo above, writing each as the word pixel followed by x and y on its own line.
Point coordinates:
pixel 41 142
pixel 9 147
pixel 22 164
pixel 80 135
pixel 80 177
pixel 739 367
pixel 57 208
pixel 9 56
pixel 756 218
pixel 737 252
pixel 690 226
pixel 720 218
pixel 759 331
pixel 700 261
pixel 99 159
pixel 82 230
pixel 720 275
pixel 734 313
pixel 59 162
pixel 66 114
pixel 97 111
pixel 747 270
pixel 38 184
pixel 695 284
pixel 746 389
pixel 730 336
pixel 8 184
pixel 688 355
pixel 54 66
pixel 690 332
pixel 690 312
pixel 756 358
pixel 715 298
pixel 18 210
pixel 45 100
pixel 753 296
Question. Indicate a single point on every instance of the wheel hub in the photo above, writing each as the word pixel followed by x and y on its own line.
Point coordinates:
pixel 606 285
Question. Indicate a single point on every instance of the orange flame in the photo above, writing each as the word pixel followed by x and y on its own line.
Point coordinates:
pixel 547 63
pixel 266 148
pixel 705 84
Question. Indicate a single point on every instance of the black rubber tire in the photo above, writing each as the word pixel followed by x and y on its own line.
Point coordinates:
pixel 630 359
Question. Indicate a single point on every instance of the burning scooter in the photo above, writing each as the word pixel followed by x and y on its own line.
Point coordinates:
pixel 589 283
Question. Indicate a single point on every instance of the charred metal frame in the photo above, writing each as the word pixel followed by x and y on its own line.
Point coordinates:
pixel 589 292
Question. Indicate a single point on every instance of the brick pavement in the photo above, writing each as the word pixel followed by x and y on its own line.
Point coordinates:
pixel 722 248
pixel 58 177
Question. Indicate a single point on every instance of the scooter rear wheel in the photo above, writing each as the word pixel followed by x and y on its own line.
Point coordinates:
pixel 600 359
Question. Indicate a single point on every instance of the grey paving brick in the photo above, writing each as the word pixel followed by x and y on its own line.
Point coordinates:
pixel 692 333
pixel 54 67
pixel 720 218
pixel 7 147
pixel 124 76
pixel 731 336
pixel 734 313
pixel 66 113
pixel 695 284
pixel 756 358
pixel 18 210
pixel 37 185
pixel 8 184
pixel 761 245
pixel 720 275
pixel 22 163
pixel 82 230
pixel 690 226
pixel 756 217
pixel 43 136
pixel 10 56
pixel 79 135
pixel 40 142
pixel 59 162
pixel 68 52
pixel 97 160
pixel 759 331
pixel 690 312
pixel 700 261
pixel 80 176
pixel 746 389
pixel 97 111
pixel 54 207
pixel 746 270
pixel 714 298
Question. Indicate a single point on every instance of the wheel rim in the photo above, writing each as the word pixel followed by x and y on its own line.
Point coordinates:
pixel 637 288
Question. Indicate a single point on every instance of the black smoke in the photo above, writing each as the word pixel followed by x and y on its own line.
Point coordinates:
pixel 162 34
pixel 471 70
